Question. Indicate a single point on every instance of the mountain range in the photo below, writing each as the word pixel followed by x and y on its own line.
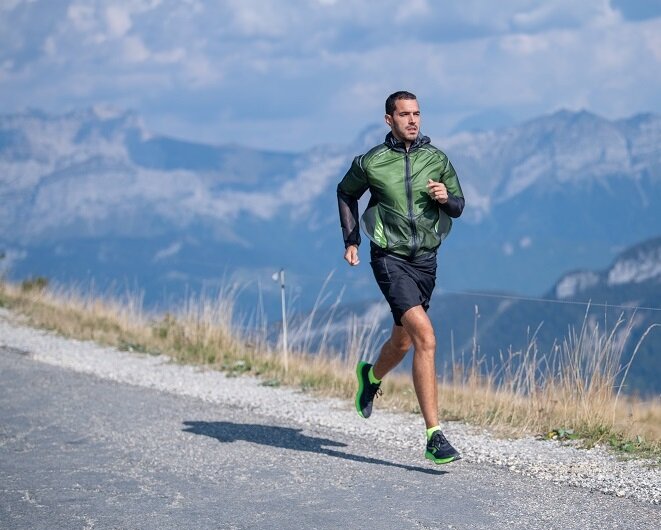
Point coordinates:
pixel 562 191
pixel 94 196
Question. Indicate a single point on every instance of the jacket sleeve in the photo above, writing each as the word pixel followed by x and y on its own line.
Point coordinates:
pixel 455 205
pixel 349 190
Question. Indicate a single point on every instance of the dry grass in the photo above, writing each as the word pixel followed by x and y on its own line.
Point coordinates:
pixel 571 391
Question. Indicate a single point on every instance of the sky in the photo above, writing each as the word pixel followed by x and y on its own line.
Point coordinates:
pixel 290 75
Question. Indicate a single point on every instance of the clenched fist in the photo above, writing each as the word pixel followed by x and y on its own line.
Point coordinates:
pixel 351 255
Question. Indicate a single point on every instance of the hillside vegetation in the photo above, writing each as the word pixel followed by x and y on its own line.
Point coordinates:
pixel 571 393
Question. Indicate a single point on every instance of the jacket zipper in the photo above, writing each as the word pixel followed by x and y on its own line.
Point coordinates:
pixel 409 199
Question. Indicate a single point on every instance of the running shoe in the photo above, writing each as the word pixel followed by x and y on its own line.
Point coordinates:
pixel 366 390
pixel 439 449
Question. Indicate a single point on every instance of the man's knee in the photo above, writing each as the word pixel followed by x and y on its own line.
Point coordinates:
pixel 420 329
pixel 425 342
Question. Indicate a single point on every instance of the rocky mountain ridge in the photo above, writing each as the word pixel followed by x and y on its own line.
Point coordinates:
pixel 560 192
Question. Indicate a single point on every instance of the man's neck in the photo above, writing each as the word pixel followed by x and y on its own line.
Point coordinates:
pixel 407 143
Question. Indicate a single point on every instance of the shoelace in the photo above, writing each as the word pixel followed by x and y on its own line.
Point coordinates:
pixel 374 393
pixel 438 439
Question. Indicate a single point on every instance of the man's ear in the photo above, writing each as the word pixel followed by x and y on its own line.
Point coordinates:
pixel 389 120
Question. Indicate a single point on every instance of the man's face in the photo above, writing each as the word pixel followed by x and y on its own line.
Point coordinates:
pixel 405 121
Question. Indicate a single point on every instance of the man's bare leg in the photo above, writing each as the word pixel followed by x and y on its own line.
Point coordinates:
pixel 420 330
pixel 392 352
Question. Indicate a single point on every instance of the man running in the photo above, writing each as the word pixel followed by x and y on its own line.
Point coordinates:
pixel 414 194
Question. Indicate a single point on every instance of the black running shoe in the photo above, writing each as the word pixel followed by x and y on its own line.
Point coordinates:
pixel 439 449
pixel 366 390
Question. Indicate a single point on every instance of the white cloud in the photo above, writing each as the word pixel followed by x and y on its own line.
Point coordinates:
pixel 542 15
pixel 538 15
pixel 118 20
pixel 260 18
pixel 169 251
pixel 6 65
pixel 49 47
pixel 312 72
pixel 174 55
pixel 82 16
pixel 134 50
pixel 652 37
pixel 10 5
pixel 200 72
pixel 606 16
pixel 413 9
pixel 522 44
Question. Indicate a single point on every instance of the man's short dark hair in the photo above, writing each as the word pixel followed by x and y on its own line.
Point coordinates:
pixel 392 100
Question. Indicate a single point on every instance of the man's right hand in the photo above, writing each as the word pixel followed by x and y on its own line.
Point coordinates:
pixel 351 255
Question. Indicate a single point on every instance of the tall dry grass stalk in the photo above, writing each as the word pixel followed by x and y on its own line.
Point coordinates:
pixel 575 386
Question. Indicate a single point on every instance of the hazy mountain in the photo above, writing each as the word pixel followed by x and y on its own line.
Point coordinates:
pixel 99 173
pixel 630 288
pixel 93 193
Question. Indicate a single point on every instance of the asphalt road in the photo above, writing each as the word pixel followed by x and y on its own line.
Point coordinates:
pixel 77 451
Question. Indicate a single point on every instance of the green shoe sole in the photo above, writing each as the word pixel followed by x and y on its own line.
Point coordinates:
pixel 447 460
pixel 361 384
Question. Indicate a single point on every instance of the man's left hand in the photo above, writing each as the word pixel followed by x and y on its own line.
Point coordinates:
pixel 437 191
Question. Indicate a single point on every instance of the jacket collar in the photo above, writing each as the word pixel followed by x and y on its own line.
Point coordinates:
pixel 398 145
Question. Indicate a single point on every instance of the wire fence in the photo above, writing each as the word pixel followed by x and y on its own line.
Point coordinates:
pixel 321 280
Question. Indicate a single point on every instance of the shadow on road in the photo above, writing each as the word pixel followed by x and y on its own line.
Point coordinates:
pixel 286 438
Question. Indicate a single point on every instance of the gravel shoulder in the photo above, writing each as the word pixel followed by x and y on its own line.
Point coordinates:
pixel 595 470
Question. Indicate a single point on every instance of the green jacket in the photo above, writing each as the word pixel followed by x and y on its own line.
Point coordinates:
pixel 401 217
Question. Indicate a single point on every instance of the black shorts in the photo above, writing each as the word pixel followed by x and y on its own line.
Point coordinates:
pixel 405 283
